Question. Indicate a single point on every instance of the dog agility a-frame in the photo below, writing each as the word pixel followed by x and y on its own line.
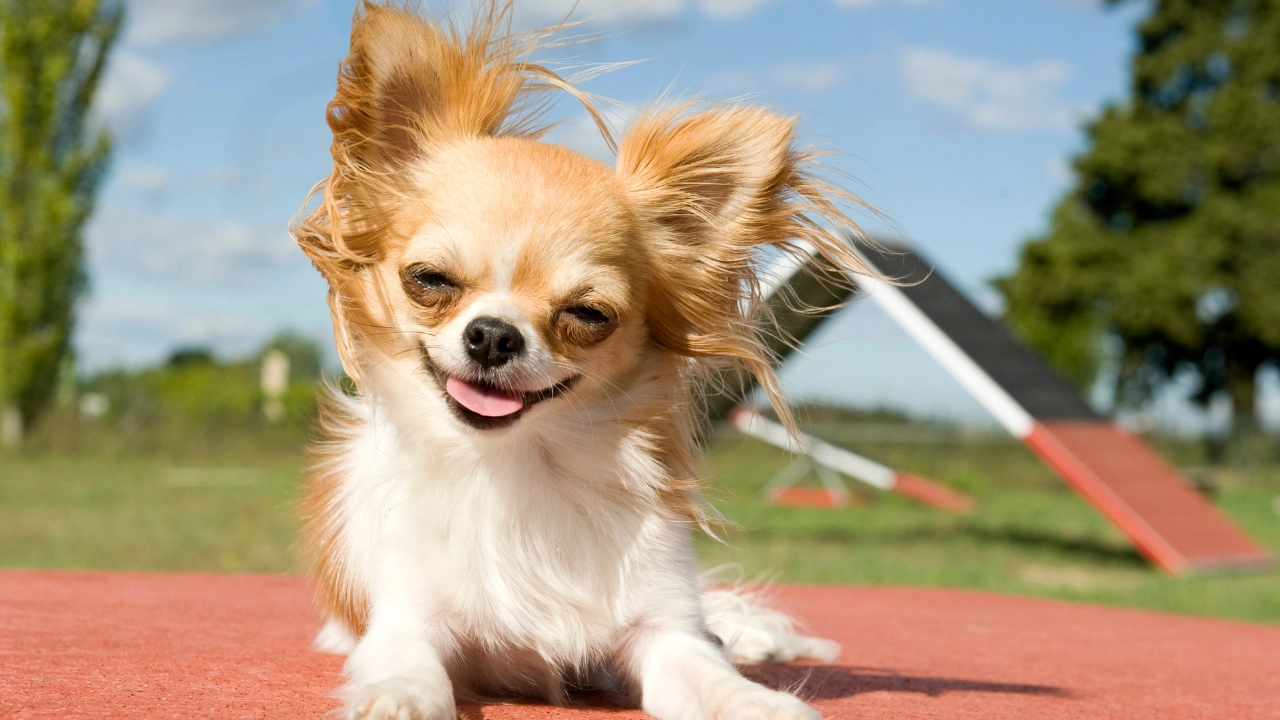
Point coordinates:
pixel 1158 509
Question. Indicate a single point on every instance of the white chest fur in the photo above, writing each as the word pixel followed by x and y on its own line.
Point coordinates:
pixel 544 546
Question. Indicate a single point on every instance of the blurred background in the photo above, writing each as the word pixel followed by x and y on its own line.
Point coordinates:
pixel 1103 177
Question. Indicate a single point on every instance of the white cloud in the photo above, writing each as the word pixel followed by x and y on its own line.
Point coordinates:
pixel 1083 4
pixel 160 22
pixel 131 332
pixel 781 78
pixel 619 12
pixel 986 94
pixel 184 253
pixel 128 92
pixel 870 3
pixel 160 282
pixel 581 135
pixel 736 81
pixel 155 183
pixel 807 77
pixel 150 181
pixel 604 11
pixel 1060 172
pixel 731 9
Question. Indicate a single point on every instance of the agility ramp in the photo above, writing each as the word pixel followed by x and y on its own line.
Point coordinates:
pixel 1162 513
pixel 802 291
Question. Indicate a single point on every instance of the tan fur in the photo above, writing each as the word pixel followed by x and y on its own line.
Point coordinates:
pixel 436 163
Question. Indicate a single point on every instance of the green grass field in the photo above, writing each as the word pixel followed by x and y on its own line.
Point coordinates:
pixel 1031 535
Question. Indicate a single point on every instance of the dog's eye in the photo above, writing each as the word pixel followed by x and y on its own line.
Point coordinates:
pixel 432 280
pixel 427 285
pixel 588 315
pixel 584 325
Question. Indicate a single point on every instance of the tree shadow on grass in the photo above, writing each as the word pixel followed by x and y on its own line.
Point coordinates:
pixel 1082 548
pixel 1090 549
pixel 815 682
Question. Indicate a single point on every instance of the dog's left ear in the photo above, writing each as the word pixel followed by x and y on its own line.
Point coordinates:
pixel 710 189
pixel 707 189
pixel 710 175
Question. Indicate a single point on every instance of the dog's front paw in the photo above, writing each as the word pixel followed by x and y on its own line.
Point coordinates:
pixel 402 699
pixel 760 703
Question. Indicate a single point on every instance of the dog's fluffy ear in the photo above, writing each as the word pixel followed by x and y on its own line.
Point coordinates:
pixel 710 189
pixel 407 85
pixel 408 82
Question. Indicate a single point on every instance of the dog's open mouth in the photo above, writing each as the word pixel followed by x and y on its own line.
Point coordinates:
pixel 489 407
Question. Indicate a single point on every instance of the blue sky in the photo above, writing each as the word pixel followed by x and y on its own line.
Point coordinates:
pixel 957 119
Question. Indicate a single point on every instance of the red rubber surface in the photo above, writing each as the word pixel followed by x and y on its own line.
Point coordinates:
pixel 142 646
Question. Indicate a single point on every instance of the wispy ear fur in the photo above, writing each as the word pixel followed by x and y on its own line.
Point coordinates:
pixel 715 187
pixel 408 86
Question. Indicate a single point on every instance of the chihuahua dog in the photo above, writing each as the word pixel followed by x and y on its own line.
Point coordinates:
pixel 504 507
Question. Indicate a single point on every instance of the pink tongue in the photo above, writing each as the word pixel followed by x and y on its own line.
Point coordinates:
pixel 483 401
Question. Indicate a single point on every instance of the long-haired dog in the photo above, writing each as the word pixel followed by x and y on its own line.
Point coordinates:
pixel 505 505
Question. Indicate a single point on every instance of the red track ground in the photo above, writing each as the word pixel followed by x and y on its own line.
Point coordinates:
pixel 142 646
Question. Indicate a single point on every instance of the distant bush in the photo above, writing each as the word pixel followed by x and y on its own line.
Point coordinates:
pixel 192 405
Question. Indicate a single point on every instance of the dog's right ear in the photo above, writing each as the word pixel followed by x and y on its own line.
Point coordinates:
pixel 408 83
pixel 407 86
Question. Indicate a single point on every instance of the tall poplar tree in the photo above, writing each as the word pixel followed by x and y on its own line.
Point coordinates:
pixel 1169 241
pixel 52 160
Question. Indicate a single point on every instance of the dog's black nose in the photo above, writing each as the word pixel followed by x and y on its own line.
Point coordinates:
pixel 492 342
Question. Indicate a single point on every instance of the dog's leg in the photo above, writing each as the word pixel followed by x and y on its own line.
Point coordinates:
pixel 396 673
pixel 684 677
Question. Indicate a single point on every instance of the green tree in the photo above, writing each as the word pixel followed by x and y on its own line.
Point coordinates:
pixel 52 160
pixel 1169 241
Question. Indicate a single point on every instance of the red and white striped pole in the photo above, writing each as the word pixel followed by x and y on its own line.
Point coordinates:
pixel 826 455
